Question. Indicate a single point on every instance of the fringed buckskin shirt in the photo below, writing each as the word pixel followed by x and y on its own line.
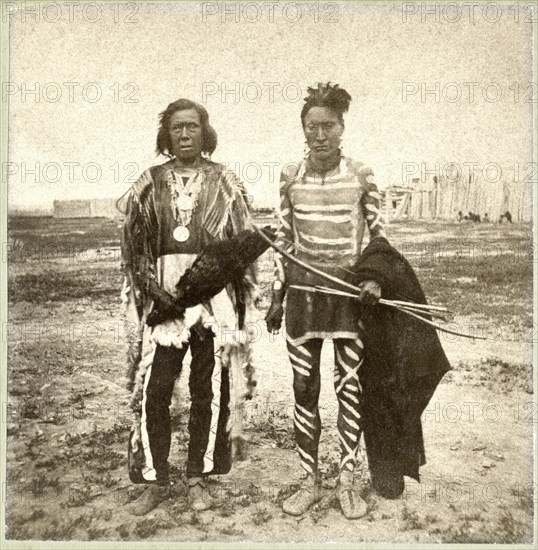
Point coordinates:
pixel 322 222
pixel 150 250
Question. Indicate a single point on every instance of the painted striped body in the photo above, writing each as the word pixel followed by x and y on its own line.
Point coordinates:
pixel 322 222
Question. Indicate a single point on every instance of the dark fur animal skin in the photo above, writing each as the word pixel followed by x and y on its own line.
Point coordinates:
pixel 219 264
pixel 404 362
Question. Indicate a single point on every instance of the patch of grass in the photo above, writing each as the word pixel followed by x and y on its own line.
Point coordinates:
pixel 511 530
pixel 97 532
pixel 146 528
pixel 461 532
pixel 123 530
pixel 97 449
pixel 42 481
pixel 494 374
pixel 79 495
pixel 524 498
pixel 503 529
pixel 261 516
pixel 227 509
pixel 411 519
pixel 231 530
pixel 473 516
pixel 332 470
pixel 32 362
pixel 60 286
pixel 278 427
pixel 17 525
pixel 47 237
pixel 507 284
pixel 317 514
pixel 58 529
pixel 192 518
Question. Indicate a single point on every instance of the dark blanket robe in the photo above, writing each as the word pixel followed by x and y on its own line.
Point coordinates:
pixel 403 364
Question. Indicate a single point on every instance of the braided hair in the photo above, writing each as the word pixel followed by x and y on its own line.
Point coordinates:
pixel 327 95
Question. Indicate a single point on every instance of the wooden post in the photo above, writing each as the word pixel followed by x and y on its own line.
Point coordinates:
pixel 445 193
pixel 452 189
pixel 401 206
pixel 459 194
pixel 426 209
pixel 434 198
pixel 438 198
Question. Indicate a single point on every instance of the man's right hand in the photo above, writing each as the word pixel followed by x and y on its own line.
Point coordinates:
pixel 274 316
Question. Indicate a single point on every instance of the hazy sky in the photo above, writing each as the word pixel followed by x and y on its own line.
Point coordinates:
pixel 103 77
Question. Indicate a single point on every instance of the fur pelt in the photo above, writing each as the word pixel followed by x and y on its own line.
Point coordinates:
pixel 221 263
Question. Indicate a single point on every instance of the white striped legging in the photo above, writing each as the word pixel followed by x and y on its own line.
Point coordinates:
pixel 305 360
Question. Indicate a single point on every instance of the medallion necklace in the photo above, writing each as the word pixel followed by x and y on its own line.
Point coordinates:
pixel 184 200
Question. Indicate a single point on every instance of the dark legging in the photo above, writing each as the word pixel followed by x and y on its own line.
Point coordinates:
pixel 209 442
pixel 305 360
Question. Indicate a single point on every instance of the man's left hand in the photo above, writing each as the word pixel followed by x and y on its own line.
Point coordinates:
pixel 370 292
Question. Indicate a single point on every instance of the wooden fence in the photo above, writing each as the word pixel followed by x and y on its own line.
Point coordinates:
pixel 443 198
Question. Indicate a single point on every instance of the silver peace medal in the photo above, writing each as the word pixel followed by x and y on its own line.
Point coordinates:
pixel 181 233
pixel 185 202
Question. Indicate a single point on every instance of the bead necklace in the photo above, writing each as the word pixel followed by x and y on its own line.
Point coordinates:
pixel 183 202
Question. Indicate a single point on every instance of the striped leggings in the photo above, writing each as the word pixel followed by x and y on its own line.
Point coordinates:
pixel 305 360
pixel 209 449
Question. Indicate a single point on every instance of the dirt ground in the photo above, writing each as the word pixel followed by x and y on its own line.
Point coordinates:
pixel 68 417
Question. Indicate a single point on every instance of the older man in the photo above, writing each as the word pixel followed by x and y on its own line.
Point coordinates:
pixel 174 210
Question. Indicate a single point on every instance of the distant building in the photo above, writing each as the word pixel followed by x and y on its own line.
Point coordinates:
pixel 86 208
pixel 29 212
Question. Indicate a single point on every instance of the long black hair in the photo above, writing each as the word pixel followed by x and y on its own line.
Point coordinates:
pixel 209 136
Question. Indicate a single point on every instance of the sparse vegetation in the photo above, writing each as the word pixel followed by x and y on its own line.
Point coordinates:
pixel 67 433
pixel 261 516
pixel 411 519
